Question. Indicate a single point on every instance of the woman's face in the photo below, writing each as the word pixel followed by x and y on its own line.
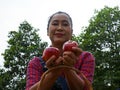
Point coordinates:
pixel 60 29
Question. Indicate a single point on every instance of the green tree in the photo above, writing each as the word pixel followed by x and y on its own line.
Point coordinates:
pixel 102 38
pixel 24 44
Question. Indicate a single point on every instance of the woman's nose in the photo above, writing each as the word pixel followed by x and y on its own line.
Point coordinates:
pixel 60 27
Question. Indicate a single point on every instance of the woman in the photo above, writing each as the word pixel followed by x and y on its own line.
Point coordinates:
pixel 60 30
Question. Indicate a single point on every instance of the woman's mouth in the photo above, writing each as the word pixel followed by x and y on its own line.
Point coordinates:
pixel 59 34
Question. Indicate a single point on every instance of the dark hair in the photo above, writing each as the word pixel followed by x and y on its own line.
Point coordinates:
pixel 59 12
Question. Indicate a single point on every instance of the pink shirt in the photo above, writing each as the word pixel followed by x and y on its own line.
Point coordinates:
pixel 85 63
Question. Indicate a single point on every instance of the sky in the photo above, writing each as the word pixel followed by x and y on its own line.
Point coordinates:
pixel 37 12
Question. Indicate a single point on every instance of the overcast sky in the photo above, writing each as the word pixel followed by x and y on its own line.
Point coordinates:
pixel 37 12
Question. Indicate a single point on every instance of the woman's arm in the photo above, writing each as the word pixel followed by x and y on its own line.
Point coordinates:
pixel 34 72
pixel 48 78
pixel 46 83
pixel 75 82
pixel 88 66
pixel 86 73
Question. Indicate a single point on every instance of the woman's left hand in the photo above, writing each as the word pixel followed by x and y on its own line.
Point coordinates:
pixel 70 57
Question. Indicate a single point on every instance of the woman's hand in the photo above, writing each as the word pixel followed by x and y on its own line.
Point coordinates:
pixel 52 62
pixel 77 51
pixel 71 73
pixel 70 57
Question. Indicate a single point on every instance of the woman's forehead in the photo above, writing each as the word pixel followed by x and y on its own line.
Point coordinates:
pixel 61 16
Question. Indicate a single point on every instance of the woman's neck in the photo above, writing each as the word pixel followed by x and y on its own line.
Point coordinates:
pixel 57 45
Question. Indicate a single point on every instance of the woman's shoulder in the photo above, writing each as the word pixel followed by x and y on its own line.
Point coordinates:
pixel 34 65
pixel 35 60
pixel 87 55
pixel 86 52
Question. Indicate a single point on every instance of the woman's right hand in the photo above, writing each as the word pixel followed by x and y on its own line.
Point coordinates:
pixel 52 61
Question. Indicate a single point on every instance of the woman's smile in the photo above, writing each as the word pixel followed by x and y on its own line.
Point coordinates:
pixel 59 34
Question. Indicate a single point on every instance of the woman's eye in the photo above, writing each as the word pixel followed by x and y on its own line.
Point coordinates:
pixel 65 24
pixel 55 23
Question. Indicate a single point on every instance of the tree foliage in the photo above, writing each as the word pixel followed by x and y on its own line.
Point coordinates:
pixel 23 45
pixel 102 38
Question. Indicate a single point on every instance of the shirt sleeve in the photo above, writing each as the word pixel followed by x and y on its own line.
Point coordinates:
pixel 88 66
pixel 34 72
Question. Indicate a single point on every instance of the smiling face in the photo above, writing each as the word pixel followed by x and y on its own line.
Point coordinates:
pixel 60 29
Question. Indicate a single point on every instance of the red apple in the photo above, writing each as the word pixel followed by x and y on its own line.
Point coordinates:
pixel 48 52
pixel 67 46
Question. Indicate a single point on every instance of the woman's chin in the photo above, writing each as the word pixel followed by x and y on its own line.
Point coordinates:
pixel 60 41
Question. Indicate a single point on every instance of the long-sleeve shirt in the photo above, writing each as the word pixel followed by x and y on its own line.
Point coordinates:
pixel 85 64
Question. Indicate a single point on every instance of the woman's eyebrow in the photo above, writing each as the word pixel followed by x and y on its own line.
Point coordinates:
pixel 61 21
pixel 65 21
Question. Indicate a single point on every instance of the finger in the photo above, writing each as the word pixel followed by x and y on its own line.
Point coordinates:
pixel 70 54
pixel 68 61
pixel 77 50
pixel 50 61
pixel 59 61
